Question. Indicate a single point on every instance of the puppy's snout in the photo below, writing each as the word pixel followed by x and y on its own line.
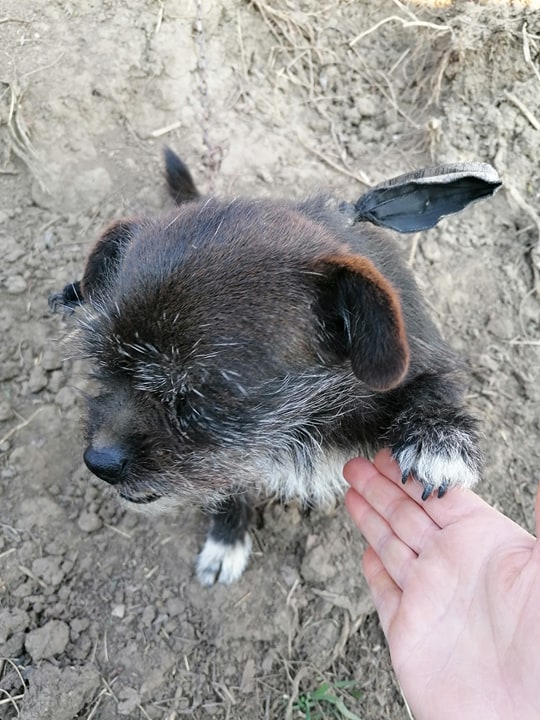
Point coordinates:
pixel 108 463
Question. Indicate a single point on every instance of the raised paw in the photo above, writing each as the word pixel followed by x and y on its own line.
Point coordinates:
pixel 223 562
pixel 447 458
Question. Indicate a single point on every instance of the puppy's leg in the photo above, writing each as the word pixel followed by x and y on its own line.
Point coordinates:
pixel 228 545
pixel 433 438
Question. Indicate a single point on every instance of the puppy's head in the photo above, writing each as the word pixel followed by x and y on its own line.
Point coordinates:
pixel 224 337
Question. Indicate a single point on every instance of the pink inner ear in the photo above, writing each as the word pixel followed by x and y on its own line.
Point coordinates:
pixel 380 351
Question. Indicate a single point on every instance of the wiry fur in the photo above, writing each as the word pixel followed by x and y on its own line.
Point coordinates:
pixel 255 345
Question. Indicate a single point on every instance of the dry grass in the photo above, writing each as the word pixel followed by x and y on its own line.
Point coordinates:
pixel 12 686
pixel 19 138
pixel 332 41
pixel 19 426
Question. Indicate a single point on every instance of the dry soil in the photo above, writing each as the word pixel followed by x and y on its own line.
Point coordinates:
pixel 100 613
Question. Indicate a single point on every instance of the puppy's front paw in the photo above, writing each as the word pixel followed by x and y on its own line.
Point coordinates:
pixel 223 562
pixel 439 457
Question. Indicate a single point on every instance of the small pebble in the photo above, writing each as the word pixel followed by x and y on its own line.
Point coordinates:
pixel 365 107
pixel 89 522
pixel 119 610
pixel 16 284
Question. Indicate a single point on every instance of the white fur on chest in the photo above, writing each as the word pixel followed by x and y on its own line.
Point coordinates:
pixel 319 485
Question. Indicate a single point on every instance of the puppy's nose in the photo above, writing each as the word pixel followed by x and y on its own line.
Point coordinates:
pixel 107 463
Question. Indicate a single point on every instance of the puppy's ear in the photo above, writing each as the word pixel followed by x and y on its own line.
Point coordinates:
pixel 66 300
pixel 104 259
pixel 179 181
pixel 361 315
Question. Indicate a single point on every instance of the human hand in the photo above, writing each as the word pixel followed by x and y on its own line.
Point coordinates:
pixel 456 585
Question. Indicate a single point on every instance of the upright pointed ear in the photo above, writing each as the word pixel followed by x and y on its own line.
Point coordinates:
pixel 105 257
pixel 361 315
pixel 179 181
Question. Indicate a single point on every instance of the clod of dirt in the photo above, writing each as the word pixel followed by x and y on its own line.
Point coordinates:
pixel 49 570
pixel 66 398
pixel 51 360
pixel 129 700
pixel 38 380
pixel 89 522
pixel 49 640
pixel 6 411
pixel 16 284
pixel 318 566
pixel 11 622
pixel 56 694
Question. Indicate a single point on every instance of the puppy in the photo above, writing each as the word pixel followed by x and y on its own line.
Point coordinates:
pixel 243 346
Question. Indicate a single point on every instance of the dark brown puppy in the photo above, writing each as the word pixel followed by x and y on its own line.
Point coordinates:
pixel 252 345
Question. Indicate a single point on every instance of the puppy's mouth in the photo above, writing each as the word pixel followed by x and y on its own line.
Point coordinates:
pixel 147 502
pixel 140 499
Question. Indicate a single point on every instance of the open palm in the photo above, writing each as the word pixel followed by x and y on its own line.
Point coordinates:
pixel 456 585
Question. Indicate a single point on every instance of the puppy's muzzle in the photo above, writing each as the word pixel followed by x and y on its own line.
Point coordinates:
pixel 108 463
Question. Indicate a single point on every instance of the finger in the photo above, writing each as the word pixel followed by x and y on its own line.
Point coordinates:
pixel 386 594
pixel 395 555
pixel 407 519
pixel 537 512
pixel 454 506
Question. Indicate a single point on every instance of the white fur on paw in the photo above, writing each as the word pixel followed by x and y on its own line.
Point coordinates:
pixel 223 562
pixel 438 470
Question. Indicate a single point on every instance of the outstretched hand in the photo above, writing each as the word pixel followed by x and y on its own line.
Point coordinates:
pixel 456 585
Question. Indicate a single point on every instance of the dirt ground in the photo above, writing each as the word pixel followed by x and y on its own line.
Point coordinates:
pixel 100 613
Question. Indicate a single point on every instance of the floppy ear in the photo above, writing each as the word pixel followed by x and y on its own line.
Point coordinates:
pixel 418 200
pixel 67 299
pixel 100 268
pixel 361 315
pixel 104 259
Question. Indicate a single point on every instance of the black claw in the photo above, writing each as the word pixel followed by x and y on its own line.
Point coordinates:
pixel 404 476
pixel 428 489
pixel 442 490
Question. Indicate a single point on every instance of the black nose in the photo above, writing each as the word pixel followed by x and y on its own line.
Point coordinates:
pixel 107 463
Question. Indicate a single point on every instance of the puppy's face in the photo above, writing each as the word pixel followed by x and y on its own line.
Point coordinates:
pixel 225 338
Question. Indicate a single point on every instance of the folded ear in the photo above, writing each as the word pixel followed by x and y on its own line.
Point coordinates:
pixel 361 315
pixel 418 200
pixel 105 257
pixel 70 297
